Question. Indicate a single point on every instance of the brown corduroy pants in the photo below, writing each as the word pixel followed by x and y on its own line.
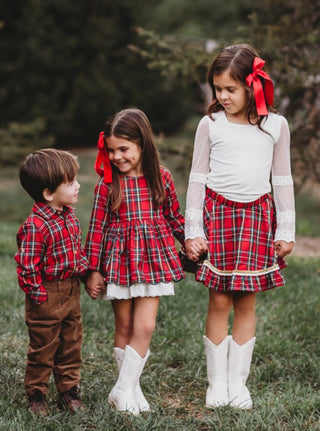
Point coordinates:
pixel 55 337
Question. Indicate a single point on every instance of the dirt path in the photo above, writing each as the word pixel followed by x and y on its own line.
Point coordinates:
pixel 306 247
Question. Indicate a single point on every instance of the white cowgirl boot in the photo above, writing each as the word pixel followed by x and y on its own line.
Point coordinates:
pixel 143 403
pixel 217 371
pixel 118 355
pixel 238 372
pixel 123 394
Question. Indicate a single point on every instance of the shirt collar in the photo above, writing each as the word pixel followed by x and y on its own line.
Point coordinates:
pixel 48 212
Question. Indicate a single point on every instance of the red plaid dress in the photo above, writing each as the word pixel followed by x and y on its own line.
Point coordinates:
pixel 241 254
pixel 136 244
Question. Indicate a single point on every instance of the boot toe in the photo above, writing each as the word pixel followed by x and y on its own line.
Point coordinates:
pixel 123 403
pixel 242 400
pixel 216 397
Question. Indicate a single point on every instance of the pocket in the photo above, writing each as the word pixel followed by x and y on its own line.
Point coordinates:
pixel 30 303
pixel 74 287
pixel 36 311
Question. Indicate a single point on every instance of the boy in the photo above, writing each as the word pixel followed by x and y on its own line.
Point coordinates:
pixel 50 261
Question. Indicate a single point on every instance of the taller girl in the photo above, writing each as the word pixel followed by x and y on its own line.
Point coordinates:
pixel 130 244
pixel 231 215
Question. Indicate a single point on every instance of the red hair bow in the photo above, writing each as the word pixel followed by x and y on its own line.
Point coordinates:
pixel 261 95
pixel 103 158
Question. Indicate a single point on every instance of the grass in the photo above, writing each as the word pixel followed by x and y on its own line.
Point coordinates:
pixel 284 379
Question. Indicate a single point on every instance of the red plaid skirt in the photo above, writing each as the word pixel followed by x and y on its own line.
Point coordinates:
pixel 241 254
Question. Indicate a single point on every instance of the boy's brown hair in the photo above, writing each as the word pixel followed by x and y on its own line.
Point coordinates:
pixel 47 169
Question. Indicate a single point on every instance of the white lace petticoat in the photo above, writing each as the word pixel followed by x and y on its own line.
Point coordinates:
pixel 116 291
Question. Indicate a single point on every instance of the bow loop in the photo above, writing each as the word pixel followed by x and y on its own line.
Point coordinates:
pixel 100 143
pixel 103 158
pixel 261 94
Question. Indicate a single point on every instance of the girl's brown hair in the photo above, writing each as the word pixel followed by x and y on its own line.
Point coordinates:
pixel 238 61
pixel 133 125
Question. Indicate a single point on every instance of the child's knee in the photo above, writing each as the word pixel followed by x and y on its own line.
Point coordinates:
pixel 220 303
pixel 145 328
pixel 244 303
pixel 124 327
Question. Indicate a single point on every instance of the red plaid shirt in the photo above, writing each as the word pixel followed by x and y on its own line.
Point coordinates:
pixel 49 248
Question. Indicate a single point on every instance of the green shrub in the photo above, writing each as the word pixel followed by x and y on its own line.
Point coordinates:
pixel 20 139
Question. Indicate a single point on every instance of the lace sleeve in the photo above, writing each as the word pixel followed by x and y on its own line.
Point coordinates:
pixel 282 184
pixel 197 182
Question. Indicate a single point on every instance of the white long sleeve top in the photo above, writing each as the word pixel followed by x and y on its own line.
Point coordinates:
pixel 236 160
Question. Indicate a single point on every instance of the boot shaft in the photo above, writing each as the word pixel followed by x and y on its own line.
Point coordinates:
pixel 239 363
pixel 216 356
pixel 240 357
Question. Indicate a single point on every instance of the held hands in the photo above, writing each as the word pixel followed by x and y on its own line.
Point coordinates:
pixel 283 248
pixel 94 284
pixel 195 248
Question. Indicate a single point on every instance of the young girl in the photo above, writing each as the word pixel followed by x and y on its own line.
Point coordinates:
pixel 130 244
pixel 231 215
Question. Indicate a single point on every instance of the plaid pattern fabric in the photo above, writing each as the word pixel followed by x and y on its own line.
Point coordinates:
pixel 49 248
pixel 136 244
pixel 241 254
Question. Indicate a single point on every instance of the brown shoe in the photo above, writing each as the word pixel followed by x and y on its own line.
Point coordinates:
pixel 38 404
pixel 70 400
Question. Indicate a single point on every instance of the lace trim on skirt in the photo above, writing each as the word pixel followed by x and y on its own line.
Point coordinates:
pixel 116 291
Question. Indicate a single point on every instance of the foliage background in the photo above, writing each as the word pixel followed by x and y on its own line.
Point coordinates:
pixel 67 66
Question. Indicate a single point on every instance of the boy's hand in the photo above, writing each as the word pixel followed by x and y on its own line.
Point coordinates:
pixel 283 248
pixel 94 284
pixel 196 247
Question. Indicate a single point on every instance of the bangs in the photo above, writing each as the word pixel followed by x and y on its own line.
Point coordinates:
pixel 70 167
